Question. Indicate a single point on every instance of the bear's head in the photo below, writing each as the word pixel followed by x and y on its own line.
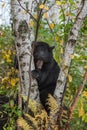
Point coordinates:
pixel 42 54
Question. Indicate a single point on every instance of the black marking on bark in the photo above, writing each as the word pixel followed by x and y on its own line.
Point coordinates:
pixel 24 64
pixel 18 44
pixel 72 42
pixel 25 43
pixel 71 33
pixel 21 56
pixel 23 38
pixel 22 76
pixel 19 10
pixel 23 28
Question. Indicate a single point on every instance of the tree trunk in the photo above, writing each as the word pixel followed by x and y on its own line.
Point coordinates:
pixel 24 36
pixel 69 50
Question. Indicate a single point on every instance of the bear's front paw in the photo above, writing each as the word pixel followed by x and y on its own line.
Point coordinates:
pixel 35 74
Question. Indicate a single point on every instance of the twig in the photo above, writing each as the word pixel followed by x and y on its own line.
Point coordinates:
pixel 32 50
pixel 50 27
pixel 20 81
pixel 64 22
pixel 72 107
pixel 38 22
pixel 27 11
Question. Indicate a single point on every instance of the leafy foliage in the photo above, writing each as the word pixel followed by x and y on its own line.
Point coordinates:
pixel 8 77
pixel 39 120
pixel 54 34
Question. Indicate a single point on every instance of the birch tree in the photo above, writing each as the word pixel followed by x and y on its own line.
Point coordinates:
pixel 24 36
pixel 69 50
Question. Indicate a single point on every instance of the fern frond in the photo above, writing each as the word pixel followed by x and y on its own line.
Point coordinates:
pixel 52 103
pixel 42 119
pixel 33 105
pixel 39 120
pixel 31 120
pixel 64 115
pixel 23 124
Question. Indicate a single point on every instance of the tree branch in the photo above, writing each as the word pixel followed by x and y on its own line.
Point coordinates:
pixel 72 107
pixel 27 11
pixel 32 50
pixel 38 22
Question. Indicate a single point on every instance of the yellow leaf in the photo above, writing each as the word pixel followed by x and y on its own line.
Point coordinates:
pixel 84 94
pixel 3 52
pixel 2 33
pixel 14 52
pixel 3 4
pixel 45 15
pixel 8 74
pixel 56 128
pixel 71 56
pixel 81 110
pixel 61 50
pixel 16 79
pixel 24 12
pixel 13 82
pixel 9 52
pixel 65 64
pixel 16 71
pixel 31 23
pixel 6 56
pixel 68 14
pixel 70 78
pixel 4 79
pixel 46 8
pixel 66 71
pixel 11 103
pixel 12 69
pixel 35 16
pixel 76 55
pixel 56 38
pixel 62 42
pixel 41 6
pixel 85 67
pixel 51 25
pixel 58 2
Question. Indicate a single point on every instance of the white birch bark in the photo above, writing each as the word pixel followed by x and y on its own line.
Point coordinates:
pixel 24 35
pixel 69 50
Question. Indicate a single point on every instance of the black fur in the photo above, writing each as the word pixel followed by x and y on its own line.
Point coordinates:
pixel 47 73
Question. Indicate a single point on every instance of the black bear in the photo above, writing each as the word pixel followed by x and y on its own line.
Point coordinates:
pixel 46 71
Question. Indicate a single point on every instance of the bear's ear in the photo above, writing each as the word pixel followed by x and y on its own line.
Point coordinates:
pixel 34 44
pixel 52 47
